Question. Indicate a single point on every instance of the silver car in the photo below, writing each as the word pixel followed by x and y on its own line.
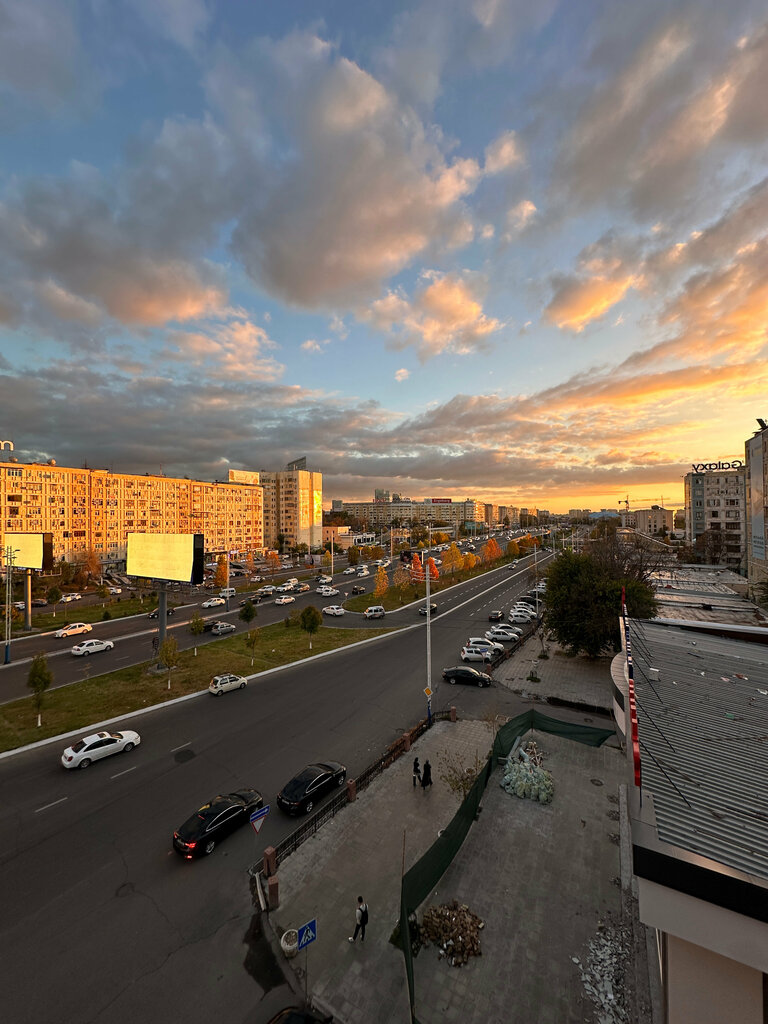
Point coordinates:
pixel 227 681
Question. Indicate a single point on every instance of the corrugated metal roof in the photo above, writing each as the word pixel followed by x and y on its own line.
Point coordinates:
pixel 703 729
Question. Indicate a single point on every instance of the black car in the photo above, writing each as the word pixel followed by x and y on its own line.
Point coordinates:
pixel 154 614
pixel 301 794
pixel 465 674
pixel 496 616
pixel 199 834
pixel 210 624
pixel 357 589
pixel 432 609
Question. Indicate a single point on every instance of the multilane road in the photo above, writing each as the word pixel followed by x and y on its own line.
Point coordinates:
pixel 102 922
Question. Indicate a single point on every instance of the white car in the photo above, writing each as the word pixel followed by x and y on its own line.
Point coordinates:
pixel 86 647
pixel 115 590
pixel 333 609
pixel 284 588
pixel 66 598
pixel 227 681
pixel 73 629
pixel 325 591
pixel 475 653
pixel 213 602
pixel 522 609
pixel 285 599
pixel 481 641
pixel 220 628
pixel 501 634
pixel 100 744
pixel 266 591
pixel 323 580
pixel 349 571
pixel 515 617
pixel 331 592
pixel 363 573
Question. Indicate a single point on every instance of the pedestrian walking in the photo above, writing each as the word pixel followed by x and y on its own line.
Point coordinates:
pixel 426 776
pixel 361 920
pixel 416 772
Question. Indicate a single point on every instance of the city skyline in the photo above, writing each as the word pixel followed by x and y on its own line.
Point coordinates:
pixel 447 249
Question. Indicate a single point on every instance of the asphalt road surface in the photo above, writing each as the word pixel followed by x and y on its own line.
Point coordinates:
pixel 103 923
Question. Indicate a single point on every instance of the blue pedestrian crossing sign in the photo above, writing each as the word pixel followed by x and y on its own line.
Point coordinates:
pixel 257 818
pixel 307 933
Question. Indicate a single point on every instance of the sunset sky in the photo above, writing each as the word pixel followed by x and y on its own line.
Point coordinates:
pixel 473 248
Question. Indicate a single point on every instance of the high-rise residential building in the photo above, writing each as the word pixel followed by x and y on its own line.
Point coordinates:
pixel 756 458
pixel 491 515
pixel 94 509
pixel 715 510
pixel 293 504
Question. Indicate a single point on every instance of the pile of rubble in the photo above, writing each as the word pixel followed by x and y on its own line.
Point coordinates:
pixel 603 975
pixel 454 929
pixel 524 775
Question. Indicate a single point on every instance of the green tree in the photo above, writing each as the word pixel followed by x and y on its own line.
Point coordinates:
pixel 39 679
pixel 310 621
pixel 197 624
pixel 169 655
pixel 220 576
pixel 65 572
pixel 401 578
pixel 353 555
pixel 53 596
pixel 251 641
pixel 248 613
pixel 583 602
pixel 381 584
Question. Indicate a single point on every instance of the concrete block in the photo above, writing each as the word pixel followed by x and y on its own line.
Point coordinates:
pixel 270 861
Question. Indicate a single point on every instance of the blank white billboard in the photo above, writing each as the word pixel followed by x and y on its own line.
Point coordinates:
pixel 29 550
pixel 162 556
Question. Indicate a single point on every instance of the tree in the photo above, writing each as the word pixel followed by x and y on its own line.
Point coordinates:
pixel 458 775
pixel 401 578
pixel 417 569
pixel 92 563
pixel 353 555
pixel 377 552
pixel 490 551
pixel 169 655
pixel 39 679
pixel 381 584
pixel 310 621
pixel 470 560
pixel 53 597
pixel 247 613
pixel 452 559
pixel 513 551
pixel 273 561
pixel 327 559
pixel 197 624
pixel 583 601
pixel 220 576
pixel 65 571
pixel 251 640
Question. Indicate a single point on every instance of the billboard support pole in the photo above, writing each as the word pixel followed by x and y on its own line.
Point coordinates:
pixel 162 613
pixel 28 599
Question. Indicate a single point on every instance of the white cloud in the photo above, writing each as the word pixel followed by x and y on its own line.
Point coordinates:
pixel 503 153
pixel 519 217
pixel 402 374
pixel 310 345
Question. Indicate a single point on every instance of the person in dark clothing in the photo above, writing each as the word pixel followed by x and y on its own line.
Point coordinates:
pixel 361 920
pixel 416 772
pixel 426 776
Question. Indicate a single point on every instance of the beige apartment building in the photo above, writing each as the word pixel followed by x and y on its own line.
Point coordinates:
pixel 653 520
pixel 94 509
pixel 378 514
pixel 293 503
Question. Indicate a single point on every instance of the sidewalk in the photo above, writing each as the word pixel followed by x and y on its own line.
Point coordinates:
pixel 579 681
pixel 545 879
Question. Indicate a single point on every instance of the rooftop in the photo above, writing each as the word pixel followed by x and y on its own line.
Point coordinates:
pixel 703 731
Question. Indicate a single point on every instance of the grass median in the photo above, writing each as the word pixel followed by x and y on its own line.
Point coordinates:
pixel 78 705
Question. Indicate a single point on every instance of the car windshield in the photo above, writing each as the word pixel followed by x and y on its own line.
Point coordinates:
pixel 77 747
pixel 297 786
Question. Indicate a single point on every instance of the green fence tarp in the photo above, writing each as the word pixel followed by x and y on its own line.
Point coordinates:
pixel 419 881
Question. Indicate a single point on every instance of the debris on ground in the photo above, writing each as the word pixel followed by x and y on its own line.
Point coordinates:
pixel 604 973
pixel 524 775
pixel 454 929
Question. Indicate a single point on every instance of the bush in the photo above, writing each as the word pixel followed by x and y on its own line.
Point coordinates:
pixel 105 615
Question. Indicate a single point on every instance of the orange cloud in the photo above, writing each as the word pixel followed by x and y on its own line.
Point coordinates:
pixel 577 302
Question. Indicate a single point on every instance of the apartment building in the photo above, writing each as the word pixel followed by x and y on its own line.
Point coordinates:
pixel 650 521
pixel 293 504
pixel 756 482
pixel 715 509
pixel 432 510
pixel 94 509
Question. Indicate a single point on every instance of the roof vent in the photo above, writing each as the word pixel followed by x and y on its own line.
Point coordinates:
pixel 51 462
pixel 653 673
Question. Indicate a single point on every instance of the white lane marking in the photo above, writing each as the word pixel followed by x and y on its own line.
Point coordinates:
pixel 125 772
pixel 61 801
pixel 174 749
